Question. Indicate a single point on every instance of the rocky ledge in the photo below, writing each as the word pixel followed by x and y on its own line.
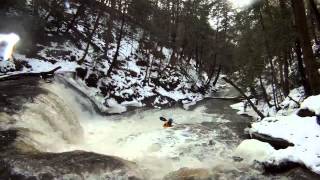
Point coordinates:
pixel 76 165
pixel 277 143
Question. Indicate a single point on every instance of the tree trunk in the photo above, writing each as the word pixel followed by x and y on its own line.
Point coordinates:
pixel 35 7
pixel 245 96
pixel 43 75
pixel 217 76
pixel 309 61
pixel 269 56
pixel 281 71
pixel 149 68
pixel 315 11
pixel 108 34
pixel 286 85
pixel 96 25
pixel 212 68
pixel 73 21
pixel 301 69
pixel 264 93
pixel 115 57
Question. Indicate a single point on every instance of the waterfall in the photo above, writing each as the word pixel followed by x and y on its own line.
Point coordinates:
pixel 50 122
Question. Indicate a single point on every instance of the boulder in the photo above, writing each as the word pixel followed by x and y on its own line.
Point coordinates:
pixel 73 58
pixel 133 74
pixel 142 63
pixel 189 174
pixel 7 137
pixel 7 66
pixel 76 165
pixel 81 72
pixel 306 113
pixel 277 143
pixel 119 99
pixel 92 80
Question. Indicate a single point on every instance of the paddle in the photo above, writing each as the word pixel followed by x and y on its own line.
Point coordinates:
pixel 163 119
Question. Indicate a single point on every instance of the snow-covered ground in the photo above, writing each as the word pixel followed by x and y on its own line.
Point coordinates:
pixel 288 106
pixel 303 132
pixel 286 124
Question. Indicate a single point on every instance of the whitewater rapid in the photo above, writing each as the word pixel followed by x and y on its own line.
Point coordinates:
pixel 140 137
pixel 61 120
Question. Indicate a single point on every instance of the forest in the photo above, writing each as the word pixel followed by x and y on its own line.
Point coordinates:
pixel 272 43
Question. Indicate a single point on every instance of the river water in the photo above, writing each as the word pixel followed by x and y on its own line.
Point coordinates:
pixel 55 118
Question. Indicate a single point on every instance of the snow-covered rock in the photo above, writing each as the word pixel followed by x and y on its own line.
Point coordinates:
pixel 253 150
pixel 312 103
pixel 303 132
pixel 6 66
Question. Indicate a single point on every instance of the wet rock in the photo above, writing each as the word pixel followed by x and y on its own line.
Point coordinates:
pixel 237 159
pixel 133 74
pixel 52 61
pixel 128 97
pixel 301 173
pixel 277 143
pixel 149 100
pixel 81 72
pixel 279 168
pixel 189 174
pixel 92 80
pixel 73 58
pixel 20 64
pixel 6 66
pixel 119 99
pixel 7 138
pixel 104 90
pixel 155 81
pixel 77 165
pixel 142 63
pixel 306 113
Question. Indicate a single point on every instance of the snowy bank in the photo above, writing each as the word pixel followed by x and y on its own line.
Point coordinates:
pixel 288 106
pixel 303 132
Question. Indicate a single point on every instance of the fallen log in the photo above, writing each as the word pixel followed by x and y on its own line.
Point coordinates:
pixel 43 75
pixel 245 96
pixel 297 102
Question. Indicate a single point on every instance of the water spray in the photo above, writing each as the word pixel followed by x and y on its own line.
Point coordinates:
pixel 7 43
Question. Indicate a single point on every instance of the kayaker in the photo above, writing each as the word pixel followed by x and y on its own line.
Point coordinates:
pixel 167 122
